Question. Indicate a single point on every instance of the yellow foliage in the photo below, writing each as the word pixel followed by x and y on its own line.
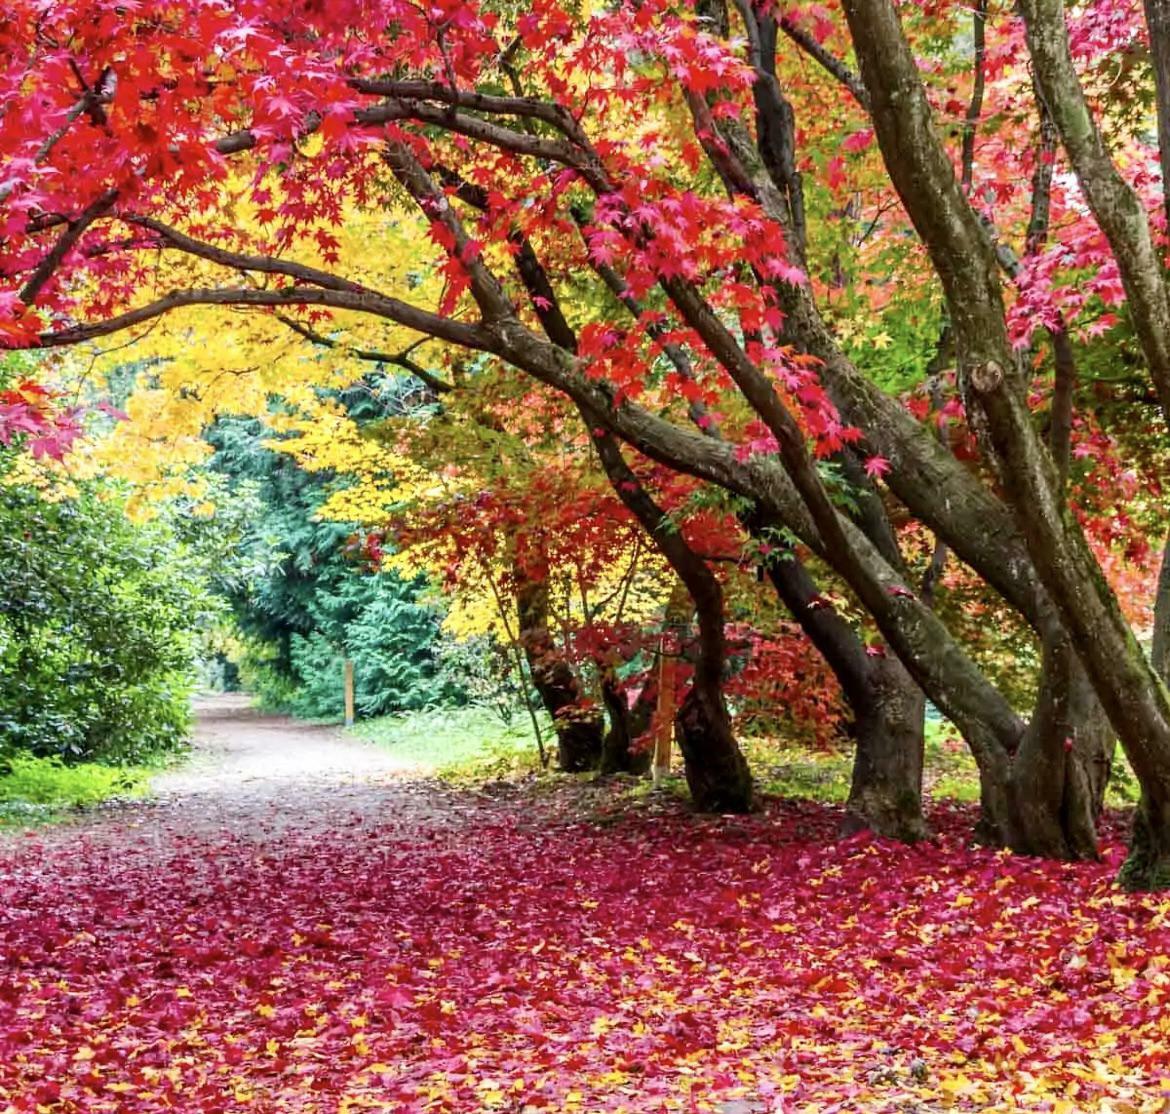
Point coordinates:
pixel 200 362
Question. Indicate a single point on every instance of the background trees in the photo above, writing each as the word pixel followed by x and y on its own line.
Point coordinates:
pixel 98 616
pixel 302 593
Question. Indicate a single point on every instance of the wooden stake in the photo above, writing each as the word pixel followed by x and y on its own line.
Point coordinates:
pixel 348 693
pixel 663 715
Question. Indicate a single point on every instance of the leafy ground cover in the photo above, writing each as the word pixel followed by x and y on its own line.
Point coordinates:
pixel 508 953
pixel 33 789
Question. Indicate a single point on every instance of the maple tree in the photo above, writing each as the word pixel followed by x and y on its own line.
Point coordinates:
pixel 32 419
pixel 695 234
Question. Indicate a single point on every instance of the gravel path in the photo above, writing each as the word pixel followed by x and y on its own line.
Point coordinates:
pixel 239 751
pixel 260 778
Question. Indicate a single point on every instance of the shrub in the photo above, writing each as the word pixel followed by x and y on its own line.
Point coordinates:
pixel 97 620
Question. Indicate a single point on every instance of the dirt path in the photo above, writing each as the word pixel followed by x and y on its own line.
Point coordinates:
pixel 238 750
pixel 259 778
pixel 264 773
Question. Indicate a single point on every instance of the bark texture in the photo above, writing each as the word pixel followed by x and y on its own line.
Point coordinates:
pixel 964 259
pixel 717 772
pixel 626 725
pixel 888 712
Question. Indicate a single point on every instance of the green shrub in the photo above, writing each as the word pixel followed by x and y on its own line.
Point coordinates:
pixel 304 597
pixel 97 616
pixel 48 781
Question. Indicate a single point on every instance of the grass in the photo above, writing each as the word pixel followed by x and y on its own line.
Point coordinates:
pixel 823 775
pixel 464 745
pixel 41 789
pixel 472 745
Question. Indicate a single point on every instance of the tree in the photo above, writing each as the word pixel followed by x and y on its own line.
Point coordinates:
pixel 304 589
pixel 712 229
pixel 98 626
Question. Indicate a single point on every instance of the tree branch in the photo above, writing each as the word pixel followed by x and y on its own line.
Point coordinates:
pixel 241 261
pixel 471 336
pixel 401 359
pixel 827 61
pixel 1115 205
pixel 65 242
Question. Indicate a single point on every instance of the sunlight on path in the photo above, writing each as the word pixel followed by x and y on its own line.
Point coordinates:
pixel 257 775
pixel 238 750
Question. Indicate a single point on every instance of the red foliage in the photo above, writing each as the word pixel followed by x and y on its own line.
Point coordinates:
pixel 664 963
pixel 31 418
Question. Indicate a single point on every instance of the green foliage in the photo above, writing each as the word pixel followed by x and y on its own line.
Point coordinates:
pixel 824 775
pixel 465 745
pixel 305 601
pixel 96 622
pixel 481 670
pixel 376 622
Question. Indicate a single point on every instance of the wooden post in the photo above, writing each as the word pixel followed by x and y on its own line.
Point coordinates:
pixel 663 715
pixel 348 693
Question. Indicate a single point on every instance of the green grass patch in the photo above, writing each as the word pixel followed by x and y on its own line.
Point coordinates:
pixel 466 745
pixel 823 775
pixel 472 745
pixel 37 789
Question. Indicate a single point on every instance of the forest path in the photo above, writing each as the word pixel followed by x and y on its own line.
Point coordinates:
pixel 258 776
pixel 299 923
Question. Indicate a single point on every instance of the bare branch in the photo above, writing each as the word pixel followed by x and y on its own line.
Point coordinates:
pixel 471 336
pixel 397 359
pixel 242 261
pixel 532 108
pixel 975 105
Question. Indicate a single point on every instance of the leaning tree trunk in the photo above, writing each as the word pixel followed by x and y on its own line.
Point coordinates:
pixel 885 794
pixel 995 388
pixel 578 727
pixel 1148 865
pixel 716 771
pixel 888 708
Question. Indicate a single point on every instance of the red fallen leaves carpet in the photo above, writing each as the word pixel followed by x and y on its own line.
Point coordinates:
pixel 519 964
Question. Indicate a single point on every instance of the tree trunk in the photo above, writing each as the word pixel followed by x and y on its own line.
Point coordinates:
pixel 994 387
pixel 888 709
pixel 885 794
pixel 716 771
pixel 1148 864
pixel 1160 647
pixel 1059 775
pixel 626 725
pixel 578 727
